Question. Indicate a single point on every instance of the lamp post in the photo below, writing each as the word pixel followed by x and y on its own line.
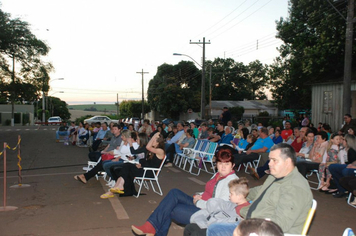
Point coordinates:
pixel 202 104
pixel 43 102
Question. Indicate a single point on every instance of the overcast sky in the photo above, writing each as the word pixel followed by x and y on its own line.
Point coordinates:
pixel 99 46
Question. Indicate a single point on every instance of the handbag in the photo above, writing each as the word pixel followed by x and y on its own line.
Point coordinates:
pixel 107 157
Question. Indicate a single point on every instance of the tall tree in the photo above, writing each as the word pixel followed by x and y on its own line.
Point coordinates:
pixel 18 45
pixel 313 49
pixel 175 89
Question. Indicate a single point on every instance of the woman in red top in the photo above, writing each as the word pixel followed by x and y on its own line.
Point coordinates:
pixel 179 206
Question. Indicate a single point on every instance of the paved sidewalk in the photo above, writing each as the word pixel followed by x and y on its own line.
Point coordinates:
pixel 56 204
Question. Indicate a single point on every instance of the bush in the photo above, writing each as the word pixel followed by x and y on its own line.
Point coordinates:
pixel 236 112
pixel 7 122
pixel 263 117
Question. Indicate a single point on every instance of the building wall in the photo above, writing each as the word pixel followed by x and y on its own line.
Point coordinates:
pixel 327 104
pixel 5 113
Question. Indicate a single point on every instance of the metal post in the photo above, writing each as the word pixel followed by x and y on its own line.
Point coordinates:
pixel 43 107
pixel 203 84
pixel 348 58
pixel 6 208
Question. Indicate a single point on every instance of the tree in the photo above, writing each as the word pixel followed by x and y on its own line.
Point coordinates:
pixel 313 50
pixel 175 89
pixel 257 79
pixel 228 80
pixel 18 44
pixel 56 107
pixel 133 108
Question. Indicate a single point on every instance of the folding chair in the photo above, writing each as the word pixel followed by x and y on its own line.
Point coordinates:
pixel 208 158
pixel 91 165
pixel 316 172
pixel 186 151
pixel 309 218
pixel 350 197
pixel 191 158
pixel 252 164
pixel 142 181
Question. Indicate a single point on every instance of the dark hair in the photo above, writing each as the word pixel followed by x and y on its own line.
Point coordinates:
pixel 260 227
pixel 204 124
pixel 287 151
pixel 190 132
pixel 98 123
pixel 323 135
pixel 308 132
pixel 105 123
pixel 254 130
pixel 264 130
pixel 211 129
pixel 245 132
pixel 225 155
pixel 134 136
pixel 143 139
pixel 116 125
pixel 348 115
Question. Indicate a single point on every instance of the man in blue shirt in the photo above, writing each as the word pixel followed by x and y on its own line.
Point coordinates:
pixel 263 144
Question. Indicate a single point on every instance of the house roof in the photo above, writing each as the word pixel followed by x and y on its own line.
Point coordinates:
pixel 248 105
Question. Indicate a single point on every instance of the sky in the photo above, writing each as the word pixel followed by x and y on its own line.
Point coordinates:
pixel 98 47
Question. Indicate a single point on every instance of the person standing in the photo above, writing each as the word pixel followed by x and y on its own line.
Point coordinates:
pixel 225 116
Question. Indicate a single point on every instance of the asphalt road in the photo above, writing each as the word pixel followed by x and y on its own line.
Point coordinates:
pixel 56 204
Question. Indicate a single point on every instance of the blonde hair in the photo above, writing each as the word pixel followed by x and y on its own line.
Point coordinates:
pixel 126 133
pixel 332 136
pixel 239 186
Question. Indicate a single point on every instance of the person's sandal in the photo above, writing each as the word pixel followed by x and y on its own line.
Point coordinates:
pixel 106 195
pixel 117 190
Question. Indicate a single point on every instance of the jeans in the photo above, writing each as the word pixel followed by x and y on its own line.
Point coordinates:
pixel 176 206
pixel 222 229
pixel 261 170
pixel 108 164
pixel 338 171
pixel 61 133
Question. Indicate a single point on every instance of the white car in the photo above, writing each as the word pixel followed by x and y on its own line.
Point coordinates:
pixel 54 120
pixel 100 119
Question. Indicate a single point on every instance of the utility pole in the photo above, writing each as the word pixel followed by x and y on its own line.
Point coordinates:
pixel 143 93
pixel 348 58
pixel 202 108
pixel 117 105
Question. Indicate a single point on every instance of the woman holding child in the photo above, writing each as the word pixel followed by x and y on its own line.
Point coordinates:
pixel 180 207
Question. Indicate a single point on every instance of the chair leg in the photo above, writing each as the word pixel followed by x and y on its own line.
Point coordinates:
pixel 139 190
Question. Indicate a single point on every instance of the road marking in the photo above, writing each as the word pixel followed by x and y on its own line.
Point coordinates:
pixel 197 181
pixel 175 170
pixel 121 214
pixel 53 174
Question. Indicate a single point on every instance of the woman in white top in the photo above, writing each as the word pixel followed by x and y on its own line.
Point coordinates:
pixel 122 153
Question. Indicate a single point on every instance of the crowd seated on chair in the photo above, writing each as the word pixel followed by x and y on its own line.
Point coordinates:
pixel 292 155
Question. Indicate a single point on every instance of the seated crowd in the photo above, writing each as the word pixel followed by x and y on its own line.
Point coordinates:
pixel 284 198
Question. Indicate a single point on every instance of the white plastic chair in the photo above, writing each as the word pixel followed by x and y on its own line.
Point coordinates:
pixel 350 196
pixel 252 164
pixel 142 181
pixel 91 165
pixel 316 172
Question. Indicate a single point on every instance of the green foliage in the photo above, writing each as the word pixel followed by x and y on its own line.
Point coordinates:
pixel 313 51
pixel 263 117
pixel 133 108
pixel 17 43
pixel 175 89
pixel 236 112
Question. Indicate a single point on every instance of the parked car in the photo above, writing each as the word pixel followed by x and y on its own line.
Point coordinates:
pixel 134 120
pixel 100 119
pixel 54 120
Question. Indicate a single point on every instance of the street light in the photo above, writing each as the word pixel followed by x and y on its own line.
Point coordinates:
pixel 202 108
pixel 43 101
